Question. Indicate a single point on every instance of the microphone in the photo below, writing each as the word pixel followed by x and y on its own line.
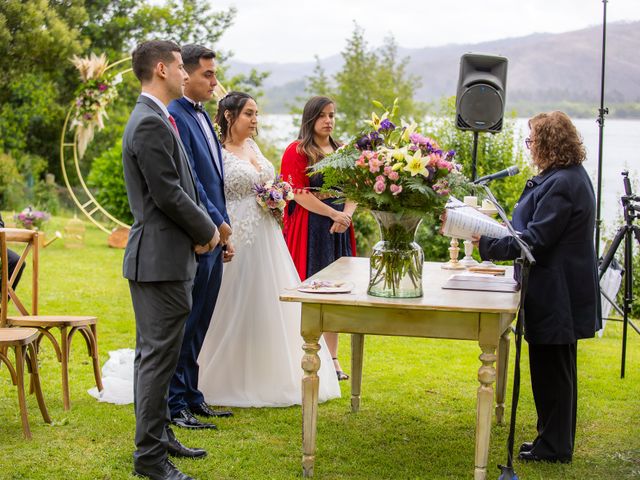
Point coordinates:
pixel 507 172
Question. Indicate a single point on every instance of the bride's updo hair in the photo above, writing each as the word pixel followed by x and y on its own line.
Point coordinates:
pixel 232 102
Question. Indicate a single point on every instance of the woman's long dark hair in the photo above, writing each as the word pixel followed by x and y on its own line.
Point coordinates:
pixel 232 102
pixel 312 110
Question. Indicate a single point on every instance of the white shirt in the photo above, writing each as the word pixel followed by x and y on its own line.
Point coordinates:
pixel 162 106
pixel 207 133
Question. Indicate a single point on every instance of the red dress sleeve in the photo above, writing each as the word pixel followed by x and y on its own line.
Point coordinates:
pixel 296 225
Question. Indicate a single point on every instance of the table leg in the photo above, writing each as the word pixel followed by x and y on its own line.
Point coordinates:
pixel 310 384
pixel 501 381
pixel 357 354
pixel 486 376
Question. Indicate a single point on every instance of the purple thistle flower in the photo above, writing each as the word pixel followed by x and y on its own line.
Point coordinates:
pixel 102 87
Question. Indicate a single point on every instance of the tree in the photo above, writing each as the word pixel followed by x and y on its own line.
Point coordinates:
pixel 38 83
pixel 366 75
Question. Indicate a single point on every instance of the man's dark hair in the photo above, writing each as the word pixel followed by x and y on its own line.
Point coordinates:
pixel 147 55
pixel 191 55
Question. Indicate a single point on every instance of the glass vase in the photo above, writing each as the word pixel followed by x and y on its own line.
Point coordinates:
pixel 395 268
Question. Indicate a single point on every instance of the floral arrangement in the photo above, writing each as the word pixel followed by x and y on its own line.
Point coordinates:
pixel 392 167
pixel 95 93
pixel 31 219
pixel 273 196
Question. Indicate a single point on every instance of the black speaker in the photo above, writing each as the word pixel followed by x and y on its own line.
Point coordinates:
pixel 481 95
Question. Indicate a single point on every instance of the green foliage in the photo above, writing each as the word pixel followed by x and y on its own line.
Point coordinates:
pixel 366 75
pixel 107 178
pixel 45 197
pixel 37 80
pixel 11 183
pixel 115 27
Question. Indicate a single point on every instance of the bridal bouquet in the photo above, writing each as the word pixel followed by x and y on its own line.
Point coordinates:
pixel 273 196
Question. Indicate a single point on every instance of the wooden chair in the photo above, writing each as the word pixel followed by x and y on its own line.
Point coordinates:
pixel 23 342
pixel 67 325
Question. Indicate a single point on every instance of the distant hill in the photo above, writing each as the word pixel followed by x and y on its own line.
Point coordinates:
pixel 545 70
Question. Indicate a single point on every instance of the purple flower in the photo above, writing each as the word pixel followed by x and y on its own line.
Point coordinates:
pixel 364 143
pixel 418 139
pixel 102 87
pixel 386 125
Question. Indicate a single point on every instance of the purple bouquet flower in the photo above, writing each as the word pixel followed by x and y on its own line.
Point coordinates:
pixel 273 196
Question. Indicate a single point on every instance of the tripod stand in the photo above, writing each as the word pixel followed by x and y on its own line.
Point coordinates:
pixel 630 210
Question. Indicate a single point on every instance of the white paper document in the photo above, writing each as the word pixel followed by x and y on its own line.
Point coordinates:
pixel 463 221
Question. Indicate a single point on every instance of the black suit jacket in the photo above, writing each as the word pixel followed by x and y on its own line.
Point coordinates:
pixel 168 218
pixel 556 216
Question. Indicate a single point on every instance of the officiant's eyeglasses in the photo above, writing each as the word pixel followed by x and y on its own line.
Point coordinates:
pixel 527 142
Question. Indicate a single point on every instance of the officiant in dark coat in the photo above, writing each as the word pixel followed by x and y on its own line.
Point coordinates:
pixel 556 218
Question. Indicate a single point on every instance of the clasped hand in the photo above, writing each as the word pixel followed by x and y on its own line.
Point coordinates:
pixel 341 222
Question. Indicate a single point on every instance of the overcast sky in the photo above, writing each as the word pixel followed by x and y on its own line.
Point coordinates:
pixel 296 30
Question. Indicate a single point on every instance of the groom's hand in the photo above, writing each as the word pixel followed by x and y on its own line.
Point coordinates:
pixel 225 233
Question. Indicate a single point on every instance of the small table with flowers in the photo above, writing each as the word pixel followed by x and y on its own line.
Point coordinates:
pixel 484 317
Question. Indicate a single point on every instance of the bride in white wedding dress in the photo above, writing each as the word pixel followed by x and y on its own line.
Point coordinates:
pixel 252 352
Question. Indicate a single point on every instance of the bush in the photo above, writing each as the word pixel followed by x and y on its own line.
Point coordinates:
pixel 45 197
pixel 12 192
pixel 107 178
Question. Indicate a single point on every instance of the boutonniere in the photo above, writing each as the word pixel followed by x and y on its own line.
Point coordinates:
pixel 217 130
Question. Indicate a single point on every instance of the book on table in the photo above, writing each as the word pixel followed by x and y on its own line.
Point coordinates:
pixel 481 281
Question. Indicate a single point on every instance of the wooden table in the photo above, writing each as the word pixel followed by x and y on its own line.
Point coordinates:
pixel 484 317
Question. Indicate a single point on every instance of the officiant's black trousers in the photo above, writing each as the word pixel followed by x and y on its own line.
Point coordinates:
pixel 554 380
pixel 161 310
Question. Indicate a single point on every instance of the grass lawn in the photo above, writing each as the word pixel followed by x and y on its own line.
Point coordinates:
pixel 417 419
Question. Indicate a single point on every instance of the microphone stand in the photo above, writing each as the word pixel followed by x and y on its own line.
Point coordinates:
pixel 602 111
pixel 526 261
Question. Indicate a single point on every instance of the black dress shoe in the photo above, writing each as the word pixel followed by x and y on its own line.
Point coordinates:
pixel 164 470
pixel 532 457
pixel 206 411
pixel 185 419
pixel 176 449
pixel 526 447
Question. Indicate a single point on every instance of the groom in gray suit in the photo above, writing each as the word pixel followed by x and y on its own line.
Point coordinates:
pixel 170 227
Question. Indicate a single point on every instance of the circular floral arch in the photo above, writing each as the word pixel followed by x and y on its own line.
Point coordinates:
pixel 86 114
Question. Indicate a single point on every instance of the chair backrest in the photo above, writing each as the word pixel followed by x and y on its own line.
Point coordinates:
pixel 30 240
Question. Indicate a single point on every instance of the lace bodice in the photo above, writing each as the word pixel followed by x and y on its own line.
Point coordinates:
pixel 239 178
pixel 240 175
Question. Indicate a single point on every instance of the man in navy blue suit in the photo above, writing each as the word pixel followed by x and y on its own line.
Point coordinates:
pixel 204 152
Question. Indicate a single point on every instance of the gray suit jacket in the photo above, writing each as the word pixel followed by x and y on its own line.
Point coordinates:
pixel 168 217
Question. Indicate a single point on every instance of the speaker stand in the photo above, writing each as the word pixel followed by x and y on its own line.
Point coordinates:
pixel 474 156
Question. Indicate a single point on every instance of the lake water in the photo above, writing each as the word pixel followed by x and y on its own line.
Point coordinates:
pixel 621 151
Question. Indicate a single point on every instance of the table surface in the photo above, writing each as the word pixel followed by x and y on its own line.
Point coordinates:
pixel 356 270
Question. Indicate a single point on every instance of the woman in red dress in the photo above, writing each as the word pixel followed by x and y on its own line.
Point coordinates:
pixel 317 229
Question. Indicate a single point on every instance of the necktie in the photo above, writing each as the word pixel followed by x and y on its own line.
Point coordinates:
pixel 198 107
pixel 172 121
